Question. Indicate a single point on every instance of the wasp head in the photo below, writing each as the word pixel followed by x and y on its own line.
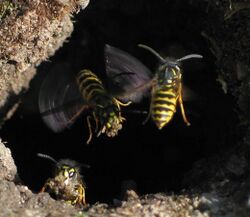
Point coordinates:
pixel 67 171
pixel 169 72
pixel 169 69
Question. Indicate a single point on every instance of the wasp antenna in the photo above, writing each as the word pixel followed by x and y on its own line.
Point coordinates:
pixel 85 165
pixel 189 57
pixel 136 112
pixel 152 51
pixel 47 157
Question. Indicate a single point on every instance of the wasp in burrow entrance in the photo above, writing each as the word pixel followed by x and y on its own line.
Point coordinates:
pixel 67 183
pixel 125 73
pixel 63 98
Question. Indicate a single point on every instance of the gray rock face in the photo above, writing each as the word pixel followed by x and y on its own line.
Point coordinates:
pixel 8 170
pixel 30 33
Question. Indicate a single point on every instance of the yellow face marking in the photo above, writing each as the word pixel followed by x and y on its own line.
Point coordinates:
pixel 66 173
pixel 72 170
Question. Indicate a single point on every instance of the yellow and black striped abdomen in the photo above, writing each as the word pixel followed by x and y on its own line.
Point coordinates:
pixel 90 85
pixel 163 105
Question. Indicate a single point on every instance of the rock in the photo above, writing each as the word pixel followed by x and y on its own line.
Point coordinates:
pixel 30 33
pixel 8 170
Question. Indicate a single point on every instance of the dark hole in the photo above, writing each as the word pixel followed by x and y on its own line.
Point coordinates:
pixel 141 156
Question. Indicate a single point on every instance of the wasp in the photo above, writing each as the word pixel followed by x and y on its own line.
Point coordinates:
pixel 67 183
pixel 135 80
pixel 63 99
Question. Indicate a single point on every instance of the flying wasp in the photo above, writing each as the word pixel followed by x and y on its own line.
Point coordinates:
pixel 63 98
pixel 134 80
pixel 67 183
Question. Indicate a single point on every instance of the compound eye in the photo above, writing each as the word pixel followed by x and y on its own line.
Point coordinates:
pixel 71 173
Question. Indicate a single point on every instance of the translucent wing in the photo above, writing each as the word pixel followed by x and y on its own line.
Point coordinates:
pixel 127 75
pixel 60 102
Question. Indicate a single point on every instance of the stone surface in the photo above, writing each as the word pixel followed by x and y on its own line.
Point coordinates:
pixel 30 32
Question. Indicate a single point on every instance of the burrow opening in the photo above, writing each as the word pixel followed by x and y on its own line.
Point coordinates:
pixel 141 156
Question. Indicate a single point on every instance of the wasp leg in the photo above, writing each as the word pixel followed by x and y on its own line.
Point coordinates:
pixel 150 109
pixel 77 114
pixel 182 107
pixel 147 118
pixel 90 130
pixel 43 189
pixel 96 122
pixel 96 126
pixel 46 185
pixel 121 103
pixel 82 196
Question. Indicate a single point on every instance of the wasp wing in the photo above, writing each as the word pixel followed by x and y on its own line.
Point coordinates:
pixel 128 77
pixel 60 102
